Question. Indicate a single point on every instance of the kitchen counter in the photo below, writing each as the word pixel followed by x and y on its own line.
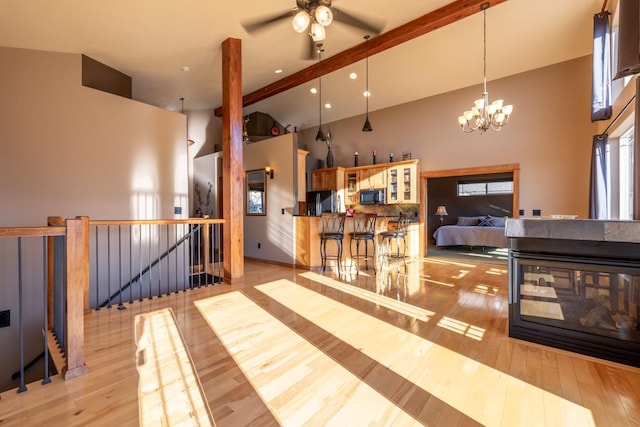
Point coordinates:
pixel 308 228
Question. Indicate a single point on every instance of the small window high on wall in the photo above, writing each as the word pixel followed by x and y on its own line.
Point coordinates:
pixel 484 188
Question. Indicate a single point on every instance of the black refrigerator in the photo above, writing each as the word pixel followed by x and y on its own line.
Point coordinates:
pixel 321 201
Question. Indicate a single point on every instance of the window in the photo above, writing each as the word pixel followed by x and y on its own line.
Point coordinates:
pixel 485 188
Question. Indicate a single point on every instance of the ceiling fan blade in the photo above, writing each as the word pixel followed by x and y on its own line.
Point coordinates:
pixel 346 18
pixel 253 26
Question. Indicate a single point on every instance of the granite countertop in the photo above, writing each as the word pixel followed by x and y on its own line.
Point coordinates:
pixel 574 229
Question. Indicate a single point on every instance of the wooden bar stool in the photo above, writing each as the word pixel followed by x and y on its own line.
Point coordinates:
pixel 364 230
pixel 332 229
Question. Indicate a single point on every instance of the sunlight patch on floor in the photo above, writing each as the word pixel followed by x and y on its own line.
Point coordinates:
pixel 448 262
pixel 482 393
pixel 461 274
pixel 486 290
pixel 462 328
pixel 376 298
pixel 300 384
pixel 169 392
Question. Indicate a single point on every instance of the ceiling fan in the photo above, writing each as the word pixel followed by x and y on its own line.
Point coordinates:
pixel 313 16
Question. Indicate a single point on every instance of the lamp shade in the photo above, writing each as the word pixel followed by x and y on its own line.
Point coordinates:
pixel 441 210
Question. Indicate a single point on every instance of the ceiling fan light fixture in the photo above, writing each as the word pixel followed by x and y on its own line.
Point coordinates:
pixel 301 21
pixel 317 32
pixel 323 15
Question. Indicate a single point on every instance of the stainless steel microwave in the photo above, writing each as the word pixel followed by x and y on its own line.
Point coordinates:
pixel 376 196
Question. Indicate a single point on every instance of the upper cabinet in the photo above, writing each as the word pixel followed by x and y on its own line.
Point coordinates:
pixel 400 180
pixel 327 179
pixel 402 183
pixel 373 177
pixel 352 187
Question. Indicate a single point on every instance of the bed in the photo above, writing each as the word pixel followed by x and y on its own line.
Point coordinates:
pixel 483 230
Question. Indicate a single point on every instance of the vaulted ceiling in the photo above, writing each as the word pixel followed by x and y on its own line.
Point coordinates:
pixel 153 42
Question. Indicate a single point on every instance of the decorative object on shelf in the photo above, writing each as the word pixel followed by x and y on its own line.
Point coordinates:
pixel 391 157
pixel 245 134
pixel 275 129
pixel 406 155
pixel 320 135
pixel 367 124
pixel 355 159
pixel 329 152
pixel 373 156
pixel 442 212
pixel 483 115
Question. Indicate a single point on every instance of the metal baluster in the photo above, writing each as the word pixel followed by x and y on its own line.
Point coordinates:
pixel 168 263
pixel 150 281
pixel 20 325
pixel 176 255
pixel 159 263
pixel 130 264
pixel 46 379
pixel 140 259
pixel 97 270
pixel 120 305
pixel 109 266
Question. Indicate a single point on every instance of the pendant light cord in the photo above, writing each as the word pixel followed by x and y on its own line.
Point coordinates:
pixel 484 43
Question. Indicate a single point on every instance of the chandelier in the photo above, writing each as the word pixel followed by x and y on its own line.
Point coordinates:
pixel 484 115
pixel 315 19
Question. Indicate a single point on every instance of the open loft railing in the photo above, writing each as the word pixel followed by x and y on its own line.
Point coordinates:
pixel 134 260
pixel 51 275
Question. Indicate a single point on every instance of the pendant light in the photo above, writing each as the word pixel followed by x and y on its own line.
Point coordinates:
pixel 367 124
pixel 484 115
pixel 320 135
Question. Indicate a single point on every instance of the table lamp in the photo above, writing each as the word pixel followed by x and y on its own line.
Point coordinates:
pixel 442 211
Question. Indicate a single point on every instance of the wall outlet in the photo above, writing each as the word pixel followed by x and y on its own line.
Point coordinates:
pixel 521 212
pixel 5 318
pixel 258 245
pixel 536 212
pixel 177 210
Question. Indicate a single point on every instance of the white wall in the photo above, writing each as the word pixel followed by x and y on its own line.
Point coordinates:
pixel 549 135
pixel 71 150
pixel 275 231
pixel 68 150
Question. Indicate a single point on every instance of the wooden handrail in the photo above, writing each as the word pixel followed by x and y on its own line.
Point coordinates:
pixel 32 231
pixel 156 221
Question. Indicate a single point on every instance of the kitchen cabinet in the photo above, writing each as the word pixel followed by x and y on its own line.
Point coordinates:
pixel 402 183
pixel 373 177
pixel 352 187
pixel 327 179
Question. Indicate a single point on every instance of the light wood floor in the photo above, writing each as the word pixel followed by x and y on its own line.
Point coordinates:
pixel 294 347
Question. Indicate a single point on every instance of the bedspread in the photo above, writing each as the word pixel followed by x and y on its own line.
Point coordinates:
pixel 465 235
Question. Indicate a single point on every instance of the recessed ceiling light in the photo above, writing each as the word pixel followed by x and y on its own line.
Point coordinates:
pixel 278 71
pixel 327 105
pixel 366 93
pixel 185 68
pixel 313 90
pixel 353 76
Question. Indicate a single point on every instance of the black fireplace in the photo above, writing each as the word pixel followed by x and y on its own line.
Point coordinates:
pixel 581 296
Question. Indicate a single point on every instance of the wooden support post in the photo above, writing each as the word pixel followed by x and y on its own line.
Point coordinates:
pixel 77 292
pixel 232 162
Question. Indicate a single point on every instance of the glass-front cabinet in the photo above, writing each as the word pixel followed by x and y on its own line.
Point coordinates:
pixel 402 185
pixel 352 189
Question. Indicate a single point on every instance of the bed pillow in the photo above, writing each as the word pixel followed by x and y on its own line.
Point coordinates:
pixel 486 222
pixel 468 220
pixel 497 221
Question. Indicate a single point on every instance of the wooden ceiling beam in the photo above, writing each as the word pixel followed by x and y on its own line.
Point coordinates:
pixel 446 15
